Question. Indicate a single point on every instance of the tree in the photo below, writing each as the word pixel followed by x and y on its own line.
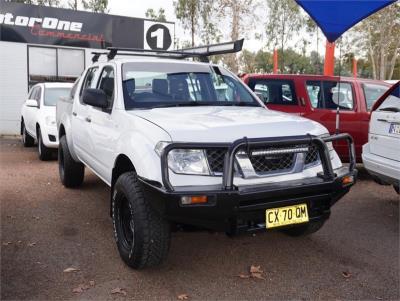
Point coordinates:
pixel 238 13
pixel 97 6
pixel 188 13
pixel 153 15
pixel 284 20
pixel 378 37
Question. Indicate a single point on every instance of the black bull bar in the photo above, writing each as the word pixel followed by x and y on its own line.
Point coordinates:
pixel 233 148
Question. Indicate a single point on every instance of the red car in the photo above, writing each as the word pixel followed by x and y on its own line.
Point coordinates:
pixel 317 97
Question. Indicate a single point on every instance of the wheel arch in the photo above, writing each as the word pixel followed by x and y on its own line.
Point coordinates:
pixel 122 164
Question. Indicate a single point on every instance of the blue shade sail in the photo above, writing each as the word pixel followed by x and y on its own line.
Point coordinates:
pixel 334 17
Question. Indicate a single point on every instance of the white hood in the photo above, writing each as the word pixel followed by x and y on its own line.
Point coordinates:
pixel 226 124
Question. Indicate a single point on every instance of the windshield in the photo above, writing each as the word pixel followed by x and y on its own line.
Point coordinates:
pixel 168 85
pixel 52 95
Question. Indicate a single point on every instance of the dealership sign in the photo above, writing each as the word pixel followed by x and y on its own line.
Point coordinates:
pixel 54 26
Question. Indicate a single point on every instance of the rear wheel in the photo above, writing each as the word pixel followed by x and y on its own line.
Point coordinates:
pixel 141 233
pixel 304 229
pixel 45 153
pixel 27 140
pixel 71 172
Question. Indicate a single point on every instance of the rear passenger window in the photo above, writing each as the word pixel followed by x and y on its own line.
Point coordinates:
pixel 88 81
pixel 279 92
pixel 372 92
pixel 106 83
pixel 329 95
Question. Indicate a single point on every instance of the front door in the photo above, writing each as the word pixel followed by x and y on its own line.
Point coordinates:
pixel 103 129
pixel 278 94
pixel 325 97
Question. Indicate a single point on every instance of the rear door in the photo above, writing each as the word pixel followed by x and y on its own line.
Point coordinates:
pixel 278 94
pixel 384 133
pixel 80 118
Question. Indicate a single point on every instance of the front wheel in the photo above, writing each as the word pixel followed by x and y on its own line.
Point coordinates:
pixel 304 229
pixel 71 172
pixel 141 233
pixel 45 153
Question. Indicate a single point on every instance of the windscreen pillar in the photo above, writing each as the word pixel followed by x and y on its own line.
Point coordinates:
pixel 329 65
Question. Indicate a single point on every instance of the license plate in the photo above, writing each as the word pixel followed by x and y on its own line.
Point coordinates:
pixel 394 128
pixel 277 217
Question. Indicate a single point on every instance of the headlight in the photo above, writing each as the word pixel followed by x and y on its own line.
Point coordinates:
pixel 188 161
pixel 185 161
pixel 50 120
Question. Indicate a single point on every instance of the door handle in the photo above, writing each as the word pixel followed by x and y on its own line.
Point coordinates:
pixel 74 113
pixel 383 120
pixel 88 119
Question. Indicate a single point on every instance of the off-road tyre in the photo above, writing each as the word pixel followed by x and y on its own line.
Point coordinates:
pixel 27 140
pixel 71 172
pixel 45 153
pixel 141 233
pixel 304 229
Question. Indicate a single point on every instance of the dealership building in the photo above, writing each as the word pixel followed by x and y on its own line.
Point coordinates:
pixel 44 44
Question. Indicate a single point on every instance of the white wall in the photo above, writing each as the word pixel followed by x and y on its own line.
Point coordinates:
pixel 13 85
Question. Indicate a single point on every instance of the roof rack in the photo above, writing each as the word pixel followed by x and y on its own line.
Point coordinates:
pixel 201 52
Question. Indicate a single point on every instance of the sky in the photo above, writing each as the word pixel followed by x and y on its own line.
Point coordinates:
pixel 135 8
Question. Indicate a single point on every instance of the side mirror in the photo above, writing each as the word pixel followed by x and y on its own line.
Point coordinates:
pixel 95 97
pixel 32 103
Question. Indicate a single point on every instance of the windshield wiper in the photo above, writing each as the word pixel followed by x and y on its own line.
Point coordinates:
pixel 390 109
pixel 242 104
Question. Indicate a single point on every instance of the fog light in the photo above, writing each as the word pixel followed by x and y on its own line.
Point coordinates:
pixel 199 199
pixel 346 180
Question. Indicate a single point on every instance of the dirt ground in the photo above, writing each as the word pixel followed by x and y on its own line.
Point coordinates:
pixel 46 229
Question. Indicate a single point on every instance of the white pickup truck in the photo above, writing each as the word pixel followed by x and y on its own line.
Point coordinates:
pixel 187 143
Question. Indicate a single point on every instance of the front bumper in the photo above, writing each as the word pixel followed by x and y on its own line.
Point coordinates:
pixel 386 169
pixel 235 209
pixel 49 136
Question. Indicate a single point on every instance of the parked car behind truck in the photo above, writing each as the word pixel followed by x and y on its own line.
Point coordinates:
pixel 316 97
pixel 381 155
pixel 38 117
pixel 176 150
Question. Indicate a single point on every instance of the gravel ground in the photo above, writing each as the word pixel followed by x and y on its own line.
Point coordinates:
pixel 46 229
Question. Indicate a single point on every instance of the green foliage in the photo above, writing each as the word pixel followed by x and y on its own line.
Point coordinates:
pixel 153 15
pixel 97 6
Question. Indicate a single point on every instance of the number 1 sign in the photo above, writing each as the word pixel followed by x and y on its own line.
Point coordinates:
pixel 158 35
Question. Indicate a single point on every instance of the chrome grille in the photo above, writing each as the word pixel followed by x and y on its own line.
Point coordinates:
pixel 264 161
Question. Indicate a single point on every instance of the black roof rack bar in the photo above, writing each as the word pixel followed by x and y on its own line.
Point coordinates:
pixel 201 52
pixel 215 49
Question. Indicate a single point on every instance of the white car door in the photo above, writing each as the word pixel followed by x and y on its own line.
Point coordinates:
pixel 103 129
pixel 80 118
pixel 32 112
pixel 384 137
